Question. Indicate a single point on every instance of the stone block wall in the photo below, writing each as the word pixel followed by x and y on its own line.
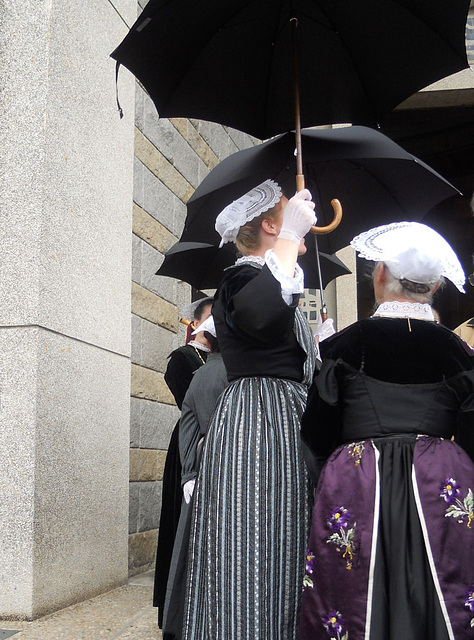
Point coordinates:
pixel 172 157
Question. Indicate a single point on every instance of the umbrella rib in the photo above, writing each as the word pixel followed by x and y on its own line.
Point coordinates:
pixel 227 25
pixel 349 56
pixel 379 182
pixel 354 66
pixel 334 30
pixel 279 30
pixel 441 37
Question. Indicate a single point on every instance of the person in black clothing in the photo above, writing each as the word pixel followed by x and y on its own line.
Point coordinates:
pixel 183 363
pixel 198 406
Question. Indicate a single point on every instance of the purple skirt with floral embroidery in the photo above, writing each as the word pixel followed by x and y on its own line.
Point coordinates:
pixel 391 550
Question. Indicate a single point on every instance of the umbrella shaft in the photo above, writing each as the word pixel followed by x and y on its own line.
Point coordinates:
pixel 320 276
pixel 300 183
pixel 296 93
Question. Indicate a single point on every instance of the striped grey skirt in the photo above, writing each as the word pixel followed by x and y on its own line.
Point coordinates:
pixel 251 517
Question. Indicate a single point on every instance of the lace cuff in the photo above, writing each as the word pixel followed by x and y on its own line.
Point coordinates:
pixel 289 285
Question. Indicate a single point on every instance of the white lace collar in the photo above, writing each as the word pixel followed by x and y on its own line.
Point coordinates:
pixel 199 345
pixel 396 309
pixel 253 260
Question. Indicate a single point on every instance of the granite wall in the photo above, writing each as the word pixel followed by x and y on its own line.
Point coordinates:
pixel 66 221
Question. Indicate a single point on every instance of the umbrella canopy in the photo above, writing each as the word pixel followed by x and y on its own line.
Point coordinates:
pixel 374 178
pixel 202 265
pixel 230 61
pixel 198 263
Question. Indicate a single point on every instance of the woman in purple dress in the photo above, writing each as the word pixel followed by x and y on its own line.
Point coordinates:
pixel 390 424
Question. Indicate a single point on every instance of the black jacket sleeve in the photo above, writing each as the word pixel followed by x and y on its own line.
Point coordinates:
pixel 321 421
pixel 179 374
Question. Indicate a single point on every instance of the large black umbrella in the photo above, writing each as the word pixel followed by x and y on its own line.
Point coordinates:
pixel 233 61
pixel 202 265
pixel 374 178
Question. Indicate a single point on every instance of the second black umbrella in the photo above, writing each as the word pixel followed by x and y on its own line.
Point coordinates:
pixel 375 179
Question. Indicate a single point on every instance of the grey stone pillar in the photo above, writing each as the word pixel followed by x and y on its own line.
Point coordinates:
pixel 65 258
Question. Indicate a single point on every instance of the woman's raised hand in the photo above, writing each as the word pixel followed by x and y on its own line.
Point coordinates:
pixel 298 217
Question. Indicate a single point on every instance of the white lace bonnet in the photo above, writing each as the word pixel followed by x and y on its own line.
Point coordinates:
pixel 413 253
pixel 252 204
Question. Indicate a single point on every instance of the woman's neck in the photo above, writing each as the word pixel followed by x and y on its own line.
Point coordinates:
pixel 391 298
pixel 259 253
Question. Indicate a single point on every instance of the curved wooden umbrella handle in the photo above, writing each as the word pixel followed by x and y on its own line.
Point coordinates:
pixel 187 323
pixel 336 205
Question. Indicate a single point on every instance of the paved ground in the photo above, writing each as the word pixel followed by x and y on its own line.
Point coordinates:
pixel 125 613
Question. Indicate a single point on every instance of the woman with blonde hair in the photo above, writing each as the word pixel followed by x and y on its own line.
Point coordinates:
pixel 252 495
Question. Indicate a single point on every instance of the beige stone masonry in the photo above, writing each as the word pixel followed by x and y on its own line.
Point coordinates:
pixel 196 141
pixel 141 551
pixel 147 153
pixel 150 230
pixel 146 465
pixel 151 307
pixel 150 385
pixel 346 290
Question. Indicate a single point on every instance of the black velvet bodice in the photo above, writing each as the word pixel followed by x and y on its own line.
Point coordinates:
pixel 371 408
pixel 395 350
pixel 255 326
pixel 385 376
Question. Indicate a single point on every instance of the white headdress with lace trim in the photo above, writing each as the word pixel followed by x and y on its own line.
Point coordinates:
pixel 207 325
pixel 413 252
pixel 246 208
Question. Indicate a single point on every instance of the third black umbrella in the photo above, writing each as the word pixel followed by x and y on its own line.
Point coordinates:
pixel 202 265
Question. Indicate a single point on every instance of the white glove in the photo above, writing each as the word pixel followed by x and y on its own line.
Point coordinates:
pixel 298 217
pixel 188 489
pixel 324 329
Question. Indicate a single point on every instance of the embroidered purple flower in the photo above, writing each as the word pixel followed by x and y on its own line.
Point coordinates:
pixel 449 490
pixel 307 579
pixel 469 602
pixel 333 622
pixel 309 562
pixel 338 519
